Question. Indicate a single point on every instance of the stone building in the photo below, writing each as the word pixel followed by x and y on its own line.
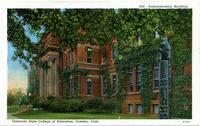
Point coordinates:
pixel 90 78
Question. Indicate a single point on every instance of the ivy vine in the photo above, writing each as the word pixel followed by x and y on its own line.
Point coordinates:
pixel 75 80
pixel 66 76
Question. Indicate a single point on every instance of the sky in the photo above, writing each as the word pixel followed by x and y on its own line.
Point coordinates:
pixel 17 75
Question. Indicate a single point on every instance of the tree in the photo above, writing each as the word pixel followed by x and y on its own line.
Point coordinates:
pixel 10 98
pixel 14 97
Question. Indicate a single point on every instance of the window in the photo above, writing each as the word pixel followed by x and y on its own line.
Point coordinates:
pixel 131 83
pixel 157 34
pixel 73 86
pixel 114 51
pixel 103 60
pixel 155 108
pixel 139 78
pixel 104 85
pixel 131 79
pixel 70 57
pixel 139 108
pixel 89 87
pixel 114 83
pixel 130 108
pixel 89 54
pixel 170 75
pixel 156 76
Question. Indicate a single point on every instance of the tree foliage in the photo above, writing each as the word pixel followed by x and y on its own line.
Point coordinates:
pixel 14 97
pixel 135 30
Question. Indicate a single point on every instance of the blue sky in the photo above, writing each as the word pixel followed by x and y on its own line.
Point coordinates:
pixel 17 75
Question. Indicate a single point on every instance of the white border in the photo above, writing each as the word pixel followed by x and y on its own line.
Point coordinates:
pixel 90 4
pixel 103 4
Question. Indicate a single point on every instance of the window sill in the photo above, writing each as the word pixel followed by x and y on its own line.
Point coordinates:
pixel 156 91
pixel 155 113
pixel 95 64
pixel 133 93
pixel 114 94
pixel 130 93
pixel 139 113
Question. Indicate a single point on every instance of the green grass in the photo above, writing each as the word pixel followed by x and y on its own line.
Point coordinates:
pixel 13 109
pixel 50 115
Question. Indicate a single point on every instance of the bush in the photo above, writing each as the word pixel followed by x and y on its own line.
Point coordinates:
pixel 38 103
pixel 56 105
pixel 66 105
pixel 50 98
pixel 24 100
pixel 13 109
pixel 11 99
pixel 97 105
pixel 93 104
pixel 109 106
pixel 75 105
pixel 93 110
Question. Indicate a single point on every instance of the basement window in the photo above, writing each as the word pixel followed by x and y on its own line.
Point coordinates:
pixel 155 108
pixel 130 108
pixel 139 108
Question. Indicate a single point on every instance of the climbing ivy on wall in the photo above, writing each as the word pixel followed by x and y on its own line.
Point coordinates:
pixel 75 80
pixel 106 76
pixel 36 81
pixel 66 75
pixel 146 89
pixel 181 96
pixel 106 73
pixel 120 88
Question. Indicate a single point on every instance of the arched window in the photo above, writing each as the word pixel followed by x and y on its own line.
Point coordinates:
pixel 130 73
pixel 139 78
pixel 156 76
pixel 89 54
pixel 114 83
pixel 114 51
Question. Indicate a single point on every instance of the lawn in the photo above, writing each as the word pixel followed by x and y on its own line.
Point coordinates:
pixel 50 115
